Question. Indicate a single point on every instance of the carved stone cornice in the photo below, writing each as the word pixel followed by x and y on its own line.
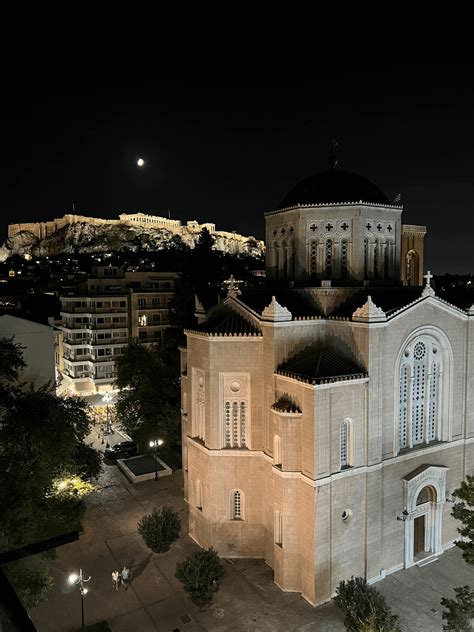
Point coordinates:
pixel 276 312
pixel 369 313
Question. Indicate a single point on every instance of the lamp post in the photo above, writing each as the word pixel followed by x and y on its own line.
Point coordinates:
pixel 79 581
pixel 107 399
pixel 154 444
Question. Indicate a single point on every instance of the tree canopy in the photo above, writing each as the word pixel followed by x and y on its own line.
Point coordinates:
pixel 41 441
pixel 148 404
pixel 463 511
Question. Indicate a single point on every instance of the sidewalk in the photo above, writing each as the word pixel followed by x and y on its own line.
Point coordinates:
pixel 247 600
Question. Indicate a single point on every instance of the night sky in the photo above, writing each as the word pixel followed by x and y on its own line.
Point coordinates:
pixel 226 146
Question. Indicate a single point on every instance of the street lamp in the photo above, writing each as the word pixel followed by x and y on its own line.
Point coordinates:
pixel 154 444
pixel 107 399
pixel 79 581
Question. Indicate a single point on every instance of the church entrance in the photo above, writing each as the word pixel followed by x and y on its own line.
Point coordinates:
pixel 419 535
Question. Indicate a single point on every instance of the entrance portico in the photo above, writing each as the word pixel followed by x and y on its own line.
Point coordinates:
pixel 424 493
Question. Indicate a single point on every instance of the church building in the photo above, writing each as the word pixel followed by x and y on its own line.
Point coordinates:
pixel 328 417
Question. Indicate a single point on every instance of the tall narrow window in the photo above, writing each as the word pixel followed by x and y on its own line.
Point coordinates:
pixel 386 264
pixel 314 257
pixel 235 413
pixel 198 486
pixel 343 445
pixel 236 505
pixel 278 527
pixel 344 258
pixel 433 410
pixel 403 408
pixel 366 258
pixel 376 259
pixel 328 258
pixel 276 450
pixel 419 353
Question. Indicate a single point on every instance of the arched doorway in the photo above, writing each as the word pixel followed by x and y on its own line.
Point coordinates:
pixel 425 497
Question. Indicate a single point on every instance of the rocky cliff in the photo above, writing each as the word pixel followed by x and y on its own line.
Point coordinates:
pixel 84 237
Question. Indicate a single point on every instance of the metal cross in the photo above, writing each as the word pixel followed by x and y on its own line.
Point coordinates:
pixel 428 276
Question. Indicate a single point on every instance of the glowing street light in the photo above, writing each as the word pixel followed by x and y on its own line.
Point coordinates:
pixel 140 162
pixel 107 399
pixel 79 581
pixel 154 444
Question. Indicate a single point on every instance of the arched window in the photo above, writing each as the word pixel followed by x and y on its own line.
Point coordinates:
pixel 366 258
pixel 313 257
pixel 235 418
pixel 412 263
pixel 344 250
pixel 376 259
pixel 420 376
pixel 328 258
pixel 344 444
pixel 276 450
pixel 236 505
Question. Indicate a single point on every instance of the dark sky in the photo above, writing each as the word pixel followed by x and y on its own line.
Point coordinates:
pixel 226 146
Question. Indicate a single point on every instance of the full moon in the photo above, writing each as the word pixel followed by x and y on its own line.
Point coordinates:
pixel 140 162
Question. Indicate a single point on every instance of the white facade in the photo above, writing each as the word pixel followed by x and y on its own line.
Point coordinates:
pixel 357 422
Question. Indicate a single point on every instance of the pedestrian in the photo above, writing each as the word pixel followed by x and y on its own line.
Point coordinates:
pixel 125 576
pixel 115 579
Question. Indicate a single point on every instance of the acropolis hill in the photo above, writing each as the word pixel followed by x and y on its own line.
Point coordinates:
pixel 79 233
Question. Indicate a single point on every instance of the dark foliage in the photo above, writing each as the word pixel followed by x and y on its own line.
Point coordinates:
pixel 160 529
pixel 464 512
pixel 459 611
pixel 31 581
pixel 364 608
pixel 200 574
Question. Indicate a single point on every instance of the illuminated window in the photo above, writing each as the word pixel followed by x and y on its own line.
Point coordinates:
pixel 142 320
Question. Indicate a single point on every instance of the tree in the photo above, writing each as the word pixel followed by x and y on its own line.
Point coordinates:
pixel 31 581
pixel 464 512
pixel 41 441
pixel 459 611
pixel 148 404
pixel 364 608
pixel 160 529
pixel 200 574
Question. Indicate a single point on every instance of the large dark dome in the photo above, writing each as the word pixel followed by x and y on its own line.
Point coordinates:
pixel 334 186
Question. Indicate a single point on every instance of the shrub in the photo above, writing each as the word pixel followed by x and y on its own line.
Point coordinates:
pixel 160 529
pixel 31 581
pixel 364 608
pixel 200 574
pixel 459 611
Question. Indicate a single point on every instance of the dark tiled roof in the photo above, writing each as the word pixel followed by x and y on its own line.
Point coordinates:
pixel 318 364
pixel 334 186
pixel 223 320
pixel 298 301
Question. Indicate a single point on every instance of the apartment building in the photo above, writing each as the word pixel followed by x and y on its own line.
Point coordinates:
pixel 102 315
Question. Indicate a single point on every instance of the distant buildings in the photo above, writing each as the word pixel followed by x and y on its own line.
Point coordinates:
pixel 102 315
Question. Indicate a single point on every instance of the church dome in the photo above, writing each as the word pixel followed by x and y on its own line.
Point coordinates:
pixel 333 186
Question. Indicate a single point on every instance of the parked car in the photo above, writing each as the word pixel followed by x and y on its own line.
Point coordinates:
pixel 121 450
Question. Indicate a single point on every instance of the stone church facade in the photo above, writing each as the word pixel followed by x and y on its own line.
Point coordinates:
pixel 328 418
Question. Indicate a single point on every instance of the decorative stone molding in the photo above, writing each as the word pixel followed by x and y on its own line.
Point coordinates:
pixel 369 313
pixel 470 311
pixel 276 312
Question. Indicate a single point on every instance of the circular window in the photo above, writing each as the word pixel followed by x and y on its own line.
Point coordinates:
pixel 346 515
pixel 235 386
pixel 419 351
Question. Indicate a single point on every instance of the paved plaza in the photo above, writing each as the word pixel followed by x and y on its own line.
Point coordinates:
pixel 247 600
